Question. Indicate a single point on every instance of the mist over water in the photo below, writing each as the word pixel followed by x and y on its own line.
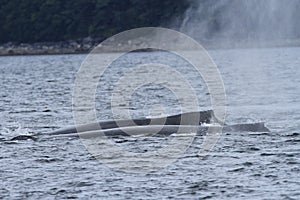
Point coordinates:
pixel 238 22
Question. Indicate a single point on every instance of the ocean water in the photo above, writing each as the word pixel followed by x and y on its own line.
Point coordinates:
pixel 260 85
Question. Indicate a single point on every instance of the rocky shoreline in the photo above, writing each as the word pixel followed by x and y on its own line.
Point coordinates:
pixel 41 48
pixel 87 44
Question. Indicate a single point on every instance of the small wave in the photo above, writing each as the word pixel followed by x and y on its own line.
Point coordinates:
pixel 14 131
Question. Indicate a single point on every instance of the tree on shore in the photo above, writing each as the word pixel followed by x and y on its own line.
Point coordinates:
pixel 58 20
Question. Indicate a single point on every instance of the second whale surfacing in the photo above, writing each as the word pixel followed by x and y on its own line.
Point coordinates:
pixel 160 126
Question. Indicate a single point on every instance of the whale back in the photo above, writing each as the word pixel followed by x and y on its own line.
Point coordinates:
pixel 179 119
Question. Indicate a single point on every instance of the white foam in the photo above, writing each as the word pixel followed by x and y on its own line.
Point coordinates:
pixel 10 131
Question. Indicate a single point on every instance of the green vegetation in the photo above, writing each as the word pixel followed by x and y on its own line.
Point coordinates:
pixel 57 20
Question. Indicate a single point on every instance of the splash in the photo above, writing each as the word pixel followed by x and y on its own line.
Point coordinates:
pixel 15 130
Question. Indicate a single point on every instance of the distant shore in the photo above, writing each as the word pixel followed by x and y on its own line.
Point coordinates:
pixel 87 44
pixel 48 48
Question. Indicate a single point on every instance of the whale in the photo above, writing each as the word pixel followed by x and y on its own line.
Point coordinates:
pixel 161 126
pixel 204 117
pixel 166 130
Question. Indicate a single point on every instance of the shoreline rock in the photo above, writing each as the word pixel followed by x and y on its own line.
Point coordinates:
pixel 87 44
pixel 40 48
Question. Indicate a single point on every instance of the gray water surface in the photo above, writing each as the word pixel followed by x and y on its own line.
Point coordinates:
pixel 261 85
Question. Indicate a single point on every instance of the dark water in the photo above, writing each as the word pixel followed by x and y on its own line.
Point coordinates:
pixel 261 85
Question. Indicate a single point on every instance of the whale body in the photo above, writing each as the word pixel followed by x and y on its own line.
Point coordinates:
pixel 165 130
pixel 161 126
pixel 203 116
